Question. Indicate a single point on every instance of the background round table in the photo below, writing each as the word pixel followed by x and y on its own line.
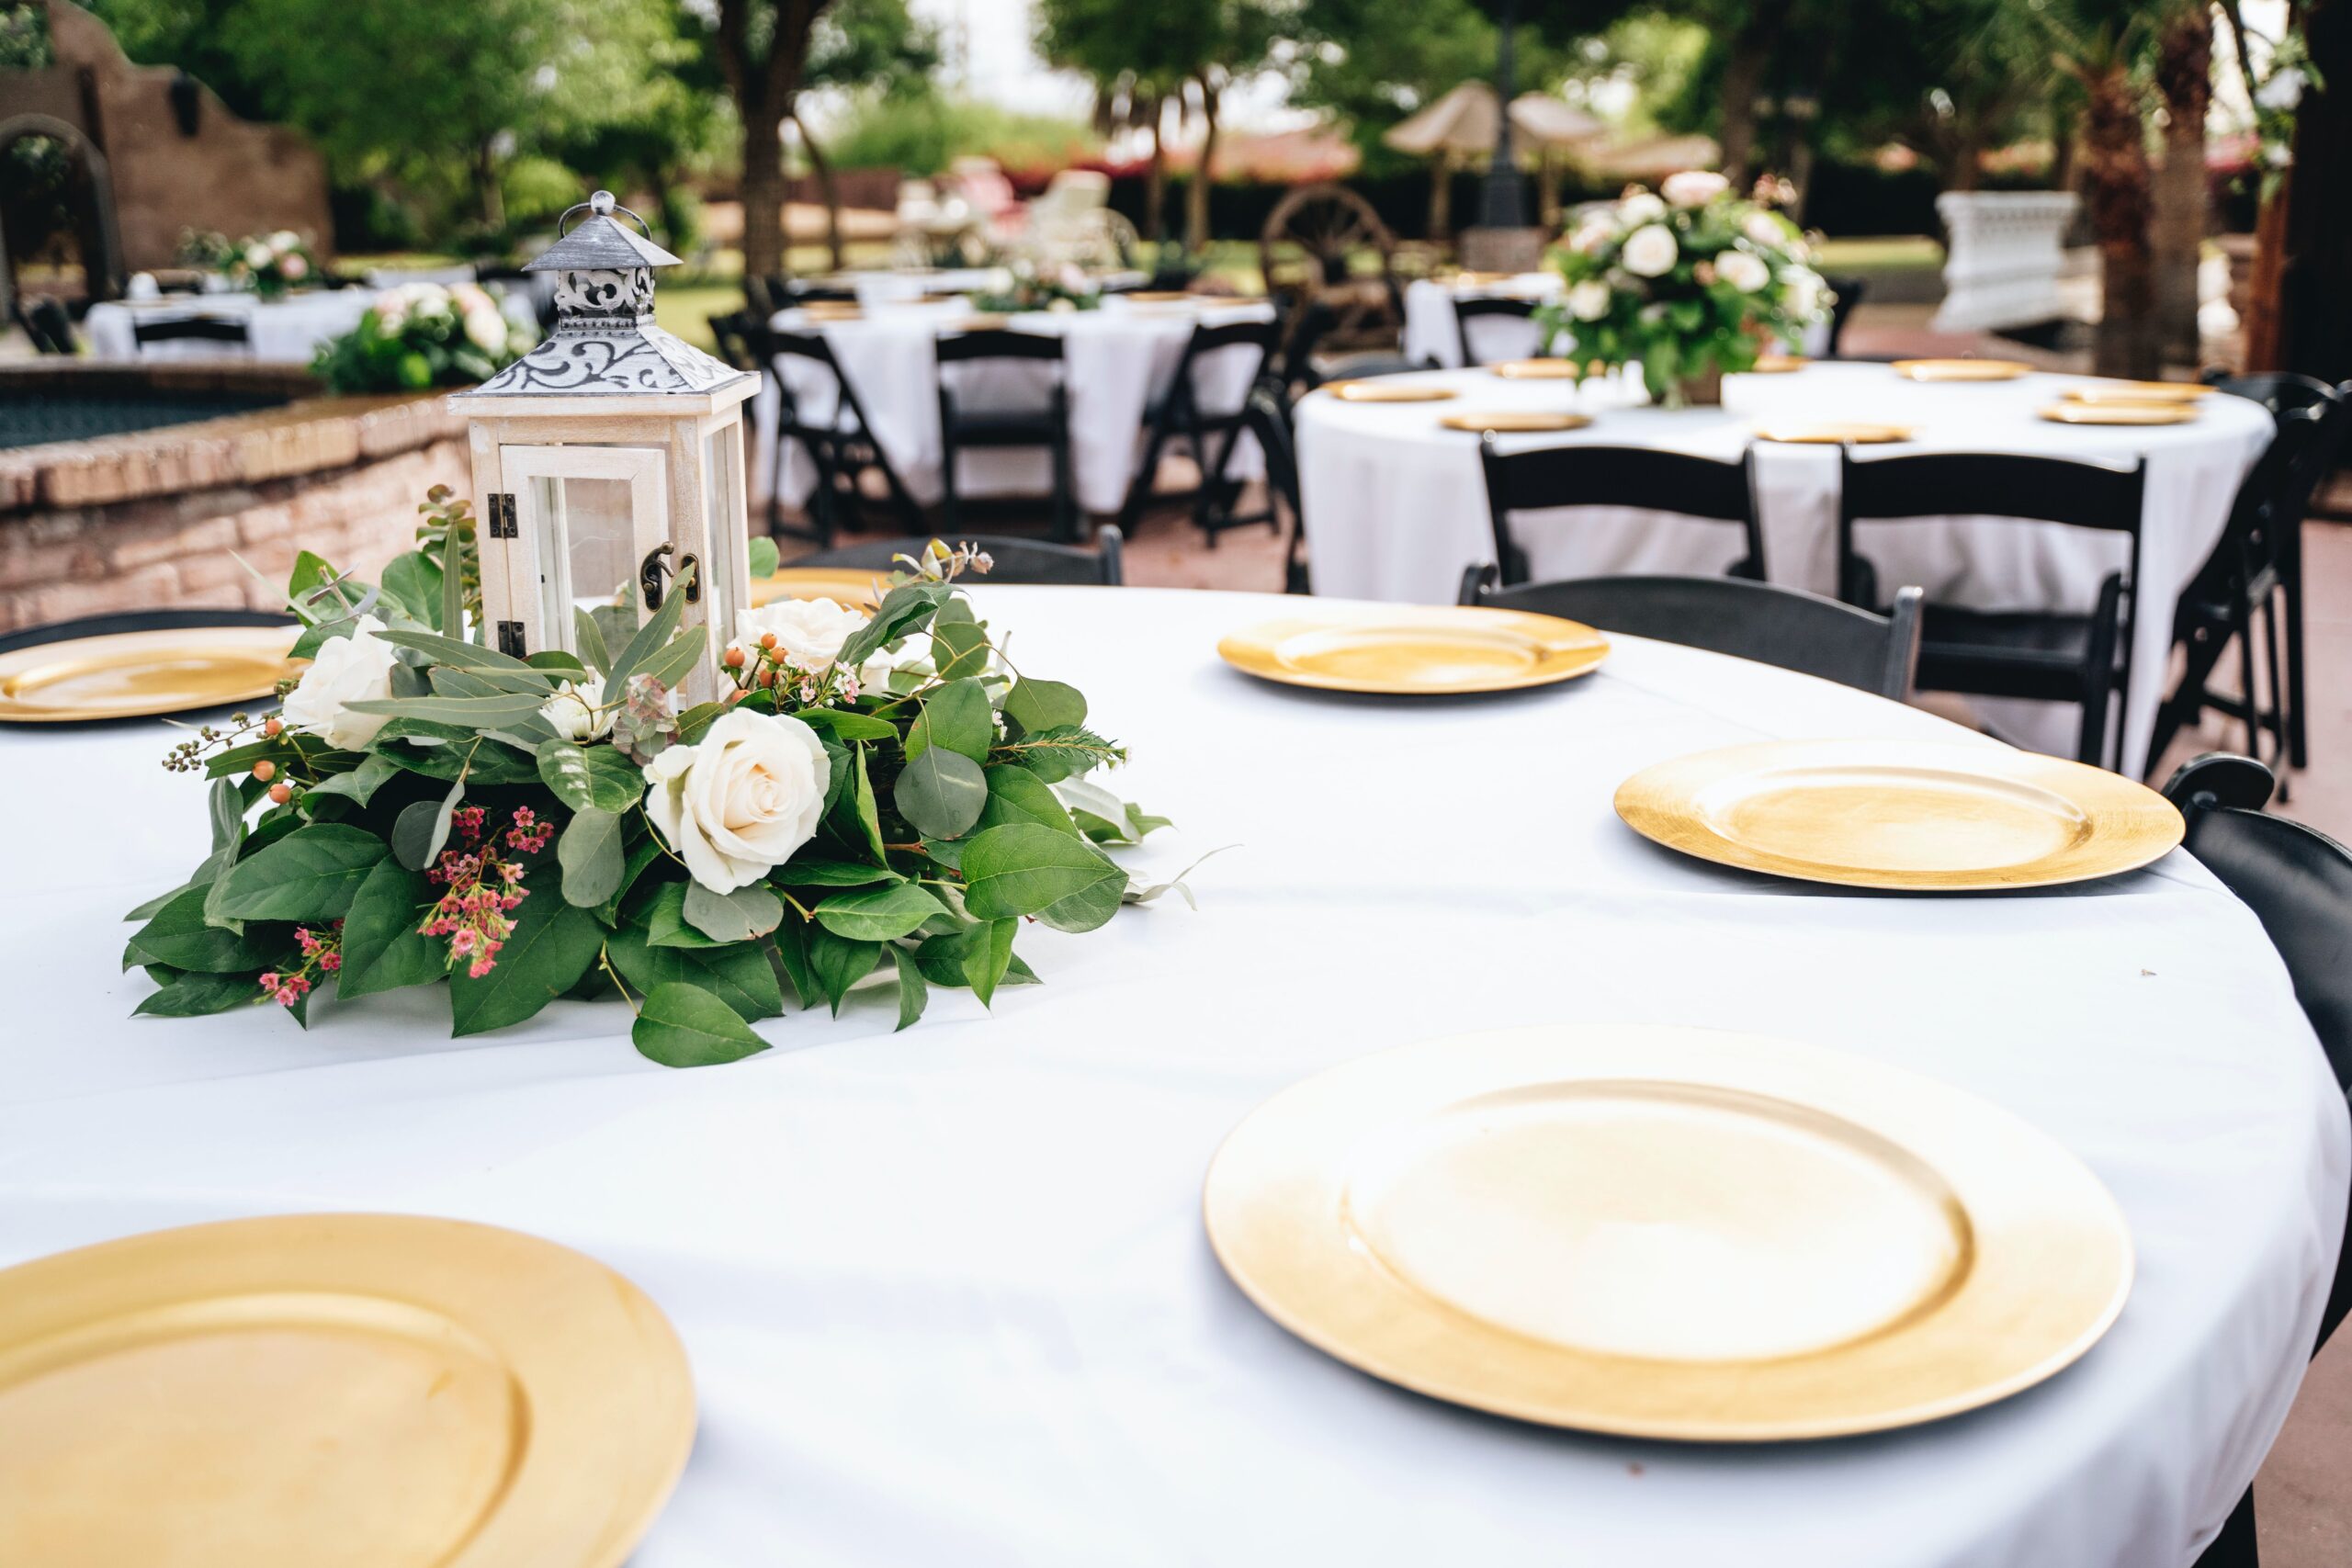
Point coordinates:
pixel 281 331
pixel 1434 334
pixel 947 1292
pixel 1117 360
pixel 1395 504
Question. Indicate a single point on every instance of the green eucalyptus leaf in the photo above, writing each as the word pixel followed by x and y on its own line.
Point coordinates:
pixel 904 609
pixel 381 948
pixel 738 973
pixel 1022 869
pixel 913 994
pixel 665 921
pixel 975 955
pixel 591 638
pixel 684 1026
pixel 179 935
pixel 878 914
pixel 552 944
pixel 677 658
pixel 957 716
pixel 590 778
pixel 1036 704
pixel 195 996
pixel 360 784
pixel 423 827
pixel 837 963
pixel 739 916
pixel 590 854
pixel 650 637
pixel 761 558
pixel 311 873
pixel 458 654
pixel 845 725
pixel 941 793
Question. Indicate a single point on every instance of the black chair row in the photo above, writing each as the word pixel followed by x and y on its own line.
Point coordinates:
pixel 46 323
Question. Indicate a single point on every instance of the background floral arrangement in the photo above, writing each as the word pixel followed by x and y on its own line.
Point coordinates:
pixel 1692 281
pixel 269 264
pixel 874 792
pixel 421 334
pixel 1032 288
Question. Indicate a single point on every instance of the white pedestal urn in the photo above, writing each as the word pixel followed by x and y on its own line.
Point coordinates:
pixel 2004 259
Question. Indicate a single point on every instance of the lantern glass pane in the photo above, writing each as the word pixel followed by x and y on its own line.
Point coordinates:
pixel 597 540
pixel 722 460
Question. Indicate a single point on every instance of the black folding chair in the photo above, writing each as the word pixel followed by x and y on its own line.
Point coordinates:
pixel 1045 425
pixel 1727 614
pixel 1012 560
pixel 842 445
pixel 2063 656
pixel 2298 881
pixel 1180 412
pixel 204 329
pixel 49 326
pixel 1849 292
pixel 1618 476
pixel 2250 569
pixel 1485 307
pixel 1265 417
pixel 732 332
pixel 1359 368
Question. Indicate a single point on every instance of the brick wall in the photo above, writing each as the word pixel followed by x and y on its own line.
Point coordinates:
pixel 163 518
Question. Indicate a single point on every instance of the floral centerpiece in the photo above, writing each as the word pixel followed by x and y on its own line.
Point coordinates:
pixel 1033 287
pixel 267 264
pixel 418 335
pixel 883 792
pixel 1691 282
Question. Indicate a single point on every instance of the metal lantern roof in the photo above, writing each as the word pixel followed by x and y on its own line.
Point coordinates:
pixel 604 344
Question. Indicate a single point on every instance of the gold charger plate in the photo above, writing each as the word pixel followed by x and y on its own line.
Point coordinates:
pixel 2120 414
pixel 1668 1233
pixel 1387 391
pixel 1835 433
pixel 1906 815
pixel 860 590
pixel 1408 652
pixel 2139 392
pixel 823 311
pixel 140 674
pixel 374 1391
pixel 1962 369
pixel 1158 297
pixel 1536 370
pixel 1778 365
pixel 1513 422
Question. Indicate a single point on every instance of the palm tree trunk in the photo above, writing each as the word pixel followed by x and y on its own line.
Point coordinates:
pixel 1196 193
pixel 1751 53
pixel 1155 184
pixel 2183 76
pixel 2116 182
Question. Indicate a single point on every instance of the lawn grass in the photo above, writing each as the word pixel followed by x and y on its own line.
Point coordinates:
pixel 1894 253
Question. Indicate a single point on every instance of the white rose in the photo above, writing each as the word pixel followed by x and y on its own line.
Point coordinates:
pixel 913 653
pixel 346 669
pixel 1807 293
pixel 2282 92
pixel 258 255
pixel 809 632
pixel 1693 188
pixel 293 266
pixel 1588 301
pixel 1763 229
pixel 741 800
pixel 284 241
pixel 1640 208
pixel 574 713
pixel 1743 272
pixel 1649 251
pixel 487 328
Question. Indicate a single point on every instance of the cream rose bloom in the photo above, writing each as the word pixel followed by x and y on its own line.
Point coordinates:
pixel 1649 251
pixel 1763 229
pixel 912 652
pixel 293 266
pixel 258 255
pixel 1640 208
pixel 487 328
pixel 742 799
pixel 1588 301
pixel 574 713
pixel 1693 188
pixel 809 632
pixel 1743 272
pixel 346 669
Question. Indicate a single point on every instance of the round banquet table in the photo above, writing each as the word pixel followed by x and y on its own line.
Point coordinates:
pixel 285 331
pixel 1117 359
pixel 947 1292
pixel 1395 505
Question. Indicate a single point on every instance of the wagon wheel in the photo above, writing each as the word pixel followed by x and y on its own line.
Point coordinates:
pixel 1305 251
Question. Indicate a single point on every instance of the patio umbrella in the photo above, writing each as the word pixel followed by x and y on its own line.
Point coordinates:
pixel 1462 126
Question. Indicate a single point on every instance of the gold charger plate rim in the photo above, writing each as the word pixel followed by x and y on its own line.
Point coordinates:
pixel 1384 390
pixel 1962 369
pixel 1514 421
pixel 1563 648
pixel 605 1395
pixel 864 587
pixel 2139 392
pixel 2125 825
pixel 2049 1256
pixel 235 644
pixel 1537 369
pixel 2120 414
pixel 1837 433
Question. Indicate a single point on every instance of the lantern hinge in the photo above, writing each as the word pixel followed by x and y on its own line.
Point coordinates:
pixel 501 516
pixel 510 638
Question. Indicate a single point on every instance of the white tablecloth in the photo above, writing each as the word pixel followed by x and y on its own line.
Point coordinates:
pixel 1434 334
pixel 1395 505
pixel 1116 358
pixel 945 1291
pixel 286 331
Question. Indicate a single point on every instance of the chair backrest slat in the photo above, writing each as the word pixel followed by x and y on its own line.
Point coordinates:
pixel 996 343
pixel 1618 476
pixel 1746 620
pixel 1992 484
pixel 1467 311
pixel 209 329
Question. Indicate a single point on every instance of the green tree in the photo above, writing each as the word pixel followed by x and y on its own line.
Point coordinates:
pixel 1115 45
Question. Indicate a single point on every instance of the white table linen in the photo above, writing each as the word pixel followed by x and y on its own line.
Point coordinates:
pixel 1395 505
pixel 1433 334
pixel 1117 360
pixel 282 332
pixel 945 1291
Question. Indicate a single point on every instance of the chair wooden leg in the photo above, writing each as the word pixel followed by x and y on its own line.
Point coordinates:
pixel 1065 496
pixel 2186 704
pixel 950 510
pixel 2290 584
pixel 1139 488
pixel 2234 1547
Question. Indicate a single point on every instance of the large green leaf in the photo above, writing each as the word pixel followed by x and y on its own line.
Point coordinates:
pixel 657 631
pixel 448 752
pixel 761 558
pixel 665 921
pixel 831 873
pixel 460 655
pixel 975 955
pixel 739 975
pixel 869 816
pixel 941 793
pixel 591 638
pixel 1036 704
pixel 381 948
pixel 194 996
pixel 178 936
pixel 1016 795
pixel 591 857
pixel 1022 869
pixel 878 914
pixel 414 583
pixel 739 916
pixel 360 784
pixel 847 725
pixel 912 993
pixel 684 1026
pixel 837 963
pixel 423 827
pixel 906 608
pixel 956 716
pixel 470 713
pixel 670 663
pixel 590 778
pixel 312 873
pixel 552 945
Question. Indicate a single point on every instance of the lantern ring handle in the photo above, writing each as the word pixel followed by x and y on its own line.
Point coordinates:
pixel 603 205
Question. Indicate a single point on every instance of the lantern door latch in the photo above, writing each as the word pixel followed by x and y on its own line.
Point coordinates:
pixel 656 568
pixel 501 516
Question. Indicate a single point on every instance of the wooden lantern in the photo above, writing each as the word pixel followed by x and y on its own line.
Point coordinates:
pixel 608 461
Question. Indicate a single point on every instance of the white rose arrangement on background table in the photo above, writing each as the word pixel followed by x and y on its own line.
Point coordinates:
pixel 1692 282
pixel 872 791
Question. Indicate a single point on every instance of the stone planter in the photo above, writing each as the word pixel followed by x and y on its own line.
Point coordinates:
pixel 2004 258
